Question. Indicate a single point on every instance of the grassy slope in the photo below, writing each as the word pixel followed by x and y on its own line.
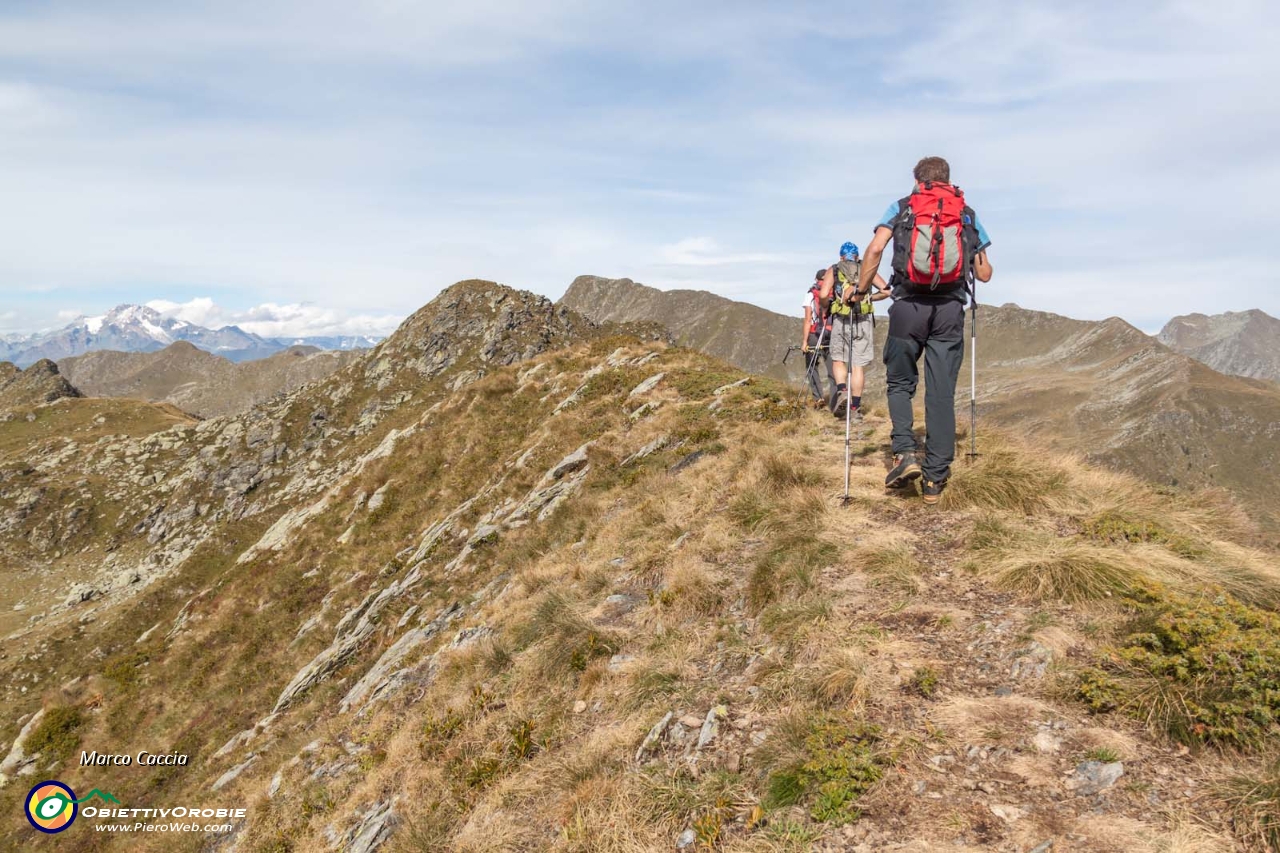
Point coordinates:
pixel 745 585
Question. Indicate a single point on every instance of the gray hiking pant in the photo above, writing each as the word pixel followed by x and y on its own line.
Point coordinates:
pixel 934 327
pixel 812 368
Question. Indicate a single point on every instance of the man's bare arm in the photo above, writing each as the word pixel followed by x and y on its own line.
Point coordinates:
pixel 982 266
pixel 882 289
pixel 828 284
pixel 804 330
pixel 871 260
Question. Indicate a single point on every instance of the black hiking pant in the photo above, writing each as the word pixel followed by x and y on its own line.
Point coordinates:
pixel 934 327
pixel 811 359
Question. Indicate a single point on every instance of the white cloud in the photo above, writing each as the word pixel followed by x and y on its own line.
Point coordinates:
pixel 200 311
pixel 272 320
pixel 705 252
pixel 298 320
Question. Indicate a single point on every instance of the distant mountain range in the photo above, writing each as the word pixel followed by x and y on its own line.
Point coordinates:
pixel 1242 343
pixel 197 381
pixel 138 328
pixel 1102 389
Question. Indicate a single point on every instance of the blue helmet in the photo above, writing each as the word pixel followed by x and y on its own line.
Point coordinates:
pixel 849 250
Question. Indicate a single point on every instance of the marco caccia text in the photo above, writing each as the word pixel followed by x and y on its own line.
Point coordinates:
pixel 143 759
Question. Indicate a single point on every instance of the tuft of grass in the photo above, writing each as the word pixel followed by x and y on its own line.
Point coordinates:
pixel 839 679
pixel 1005 479
pixel 751 509
pixel 674 799
pixel 1065 570
pixel 1104 754
pixel 786 621
pixel 990 532
pixel 124 669
pixel 894 567
pixel 1200 670
pixel 570 640
pixel 788 566
pixel 786 472
pixel 791 836
pixel 1252 799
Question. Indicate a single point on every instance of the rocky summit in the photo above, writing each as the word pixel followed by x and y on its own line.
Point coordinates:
pixel 517 580
pixel 1241 343
pixel 39 383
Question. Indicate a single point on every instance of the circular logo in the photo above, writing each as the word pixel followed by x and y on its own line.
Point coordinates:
pixel 51 806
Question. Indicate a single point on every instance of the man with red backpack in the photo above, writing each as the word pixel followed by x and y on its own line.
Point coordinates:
pixel 939 246
pixel 815 342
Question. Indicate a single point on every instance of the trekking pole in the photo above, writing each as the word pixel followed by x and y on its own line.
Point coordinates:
pixel 848 416
pixel 812 369
pixel 973 370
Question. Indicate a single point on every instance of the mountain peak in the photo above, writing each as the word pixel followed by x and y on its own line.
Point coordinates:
pixel 480 321
pixel 39 383
pixel 1237 342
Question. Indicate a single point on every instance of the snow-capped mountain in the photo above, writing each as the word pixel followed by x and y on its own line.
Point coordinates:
pixel 138 328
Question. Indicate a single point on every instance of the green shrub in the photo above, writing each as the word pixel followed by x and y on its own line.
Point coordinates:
pixel 1114 528
pixel 124 669
pixel 924 682
pixel 841 759
pixel 438 731
pixel 1202 670
pixel 56 736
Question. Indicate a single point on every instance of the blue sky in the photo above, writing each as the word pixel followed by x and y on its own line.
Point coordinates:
pixel 328 167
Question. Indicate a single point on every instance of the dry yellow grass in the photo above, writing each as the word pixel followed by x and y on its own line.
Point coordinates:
pixel 743 560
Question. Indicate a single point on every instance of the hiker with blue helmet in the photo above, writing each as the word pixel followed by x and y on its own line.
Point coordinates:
pixel 852 328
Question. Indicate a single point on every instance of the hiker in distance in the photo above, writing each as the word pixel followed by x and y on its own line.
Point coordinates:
pixel 815 342
pixel 938 247
pixel 852 327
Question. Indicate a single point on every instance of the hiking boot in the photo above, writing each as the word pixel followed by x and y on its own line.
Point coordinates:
pixel 932 491
pixel 838 410
pixel 905 469
pixel 856 415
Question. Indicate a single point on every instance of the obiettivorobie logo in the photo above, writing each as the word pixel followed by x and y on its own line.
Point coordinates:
pixel 52 806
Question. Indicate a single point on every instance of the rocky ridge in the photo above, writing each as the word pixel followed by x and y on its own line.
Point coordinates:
pixel 198 382
pixel 509 582
pixel 39 384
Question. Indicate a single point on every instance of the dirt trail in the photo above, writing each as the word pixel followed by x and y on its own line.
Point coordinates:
pixel 993 741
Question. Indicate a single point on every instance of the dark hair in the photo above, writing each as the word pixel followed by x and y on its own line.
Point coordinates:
pixel 933 169
pixel 820 273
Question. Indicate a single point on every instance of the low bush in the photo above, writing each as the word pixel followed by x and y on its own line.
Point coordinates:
pixel 1202 670
pixel 57 734
pixel 840 759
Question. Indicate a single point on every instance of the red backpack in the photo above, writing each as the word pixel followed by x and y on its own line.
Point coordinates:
pixel 819 318
pixel 931 244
